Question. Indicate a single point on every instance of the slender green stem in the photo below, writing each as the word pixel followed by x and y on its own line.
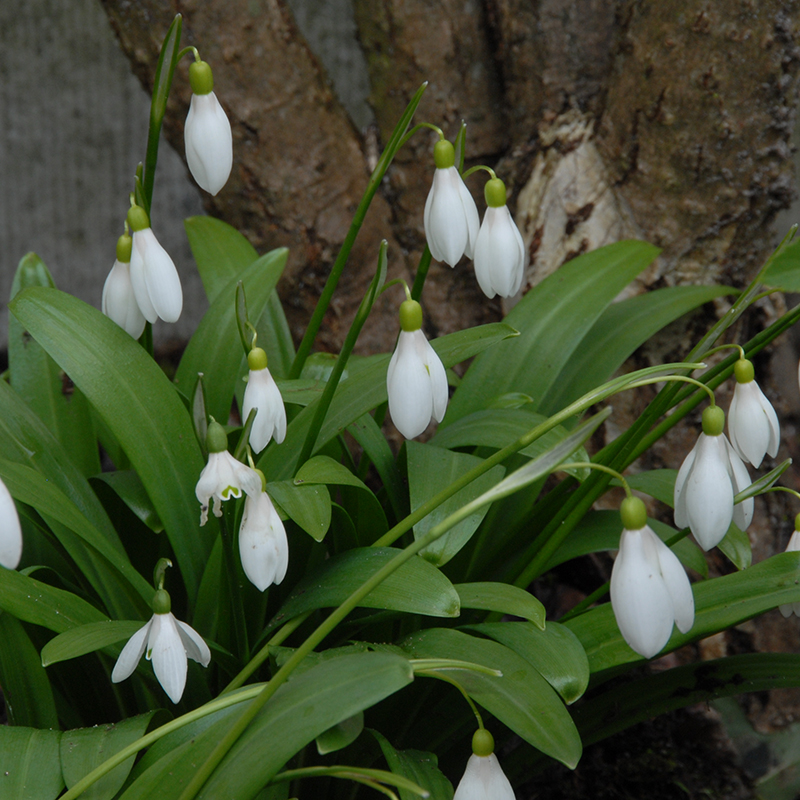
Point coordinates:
pixel 589 600
pixel 422 273
pixel 418 127
pixel 477 167
pixel 368 776
pixel 602 467
pixel 446 679
pixel 237 608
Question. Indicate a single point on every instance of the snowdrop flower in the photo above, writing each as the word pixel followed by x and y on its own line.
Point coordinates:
pixel 707 481
pixel 119 302
pixel 484 778
pixel 207 133
pixel 451 217
pixel 263 546
pixel 223 476
pixel 166 642
pixel 649 588
pixel 263 394
pixel 752 421
pixel 794 544
pixel 499 252
pixel 416 381
pixel 10 530
pixel 155 280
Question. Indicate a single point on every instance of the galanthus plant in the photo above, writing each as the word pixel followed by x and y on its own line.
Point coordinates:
pixel 343 569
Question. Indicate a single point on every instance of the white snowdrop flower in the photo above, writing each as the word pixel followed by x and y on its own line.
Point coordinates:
pixel 794 544
pixel 752 422
pixel 10 530
pixel 416 382
pixel 119 302
pixel 499 251
pixel 262 393
pixel 263 546
pixel 223 476
pixel 650 590
pixel 155 280
pixel 709 478
pixel 167 642
pixel 483 778
pixel 451 217
pixel 207 133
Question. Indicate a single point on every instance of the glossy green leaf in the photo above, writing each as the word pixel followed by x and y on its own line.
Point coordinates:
pixel 555 652
pixel 84 749
pixel 553 319
pixel 341 734
pixel 139 405
pixel 736 546
pixel 658 483
pixel 323 469
pixel 432 469
pixel 784 271
pixel 30 768
pixel 309 505
pixel 87 638
pixel 503 598
pixel 418 766
pixel 417 587
pixel 130 489
pixel 521 699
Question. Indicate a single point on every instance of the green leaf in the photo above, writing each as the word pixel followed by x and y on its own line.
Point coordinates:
pixel 432 469
pixel 417 587
pixel 309 506
pixel 503 598
pixel 30 768
pixel 736 546
pixel 87 638
pixel 130 489
pixel 139 405
pixel 341 734
pixel 323 469
pixel 555 652
pixel 658 483
pixel 521 698
pixel 553 319
pixel 84 749
pixel 418 766
pixel 784 271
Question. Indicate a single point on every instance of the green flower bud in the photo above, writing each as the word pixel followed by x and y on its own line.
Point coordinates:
pixel 161 602
pixel 410 315
pixel 124 248
pixel 713 421
pixel 201 78
pixel 216 438
pixel 633 513
pixel 444 155
pixel 138 219
pixel 257 359
pixel 743 371
pixel 482 743
pixel 495 193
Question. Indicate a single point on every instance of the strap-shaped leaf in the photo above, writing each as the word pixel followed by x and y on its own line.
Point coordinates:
pixel 29 763
pixel 503 598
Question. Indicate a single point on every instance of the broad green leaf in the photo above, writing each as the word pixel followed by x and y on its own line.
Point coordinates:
pixel 130 489
pixel 555 652
pixel 309 505
pixel 521 699
pixel 432 469
pixel 323 469
pixel 417 587
pixel 784 271
pixel 621 329
pixel 30 768
pixel 26 687
pixel 341 734
pixel 736 546
pixel 275 337
pixel 418 766
pixel 215 349
pixel 84 749
pixel 87 638
pixel 553 319
pixel 139 405
pixel 658 483
pixel 503 598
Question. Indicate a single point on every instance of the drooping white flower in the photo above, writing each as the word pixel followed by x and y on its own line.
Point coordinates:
pixel 155 280
pixel 207 134
pixel 483 778
pixel 119 302
pixel 709 478
pixel 167 642
pixel 416 382
pixel 499 251
pixel 263 546
pixel 650 590
pixel 752 422
pixel 450 217
pixel 223 476
pixel 794 544
pixel 262 393
pixel 10 530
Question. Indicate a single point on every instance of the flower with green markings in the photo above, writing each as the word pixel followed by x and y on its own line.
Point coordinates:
pixel 483 778
pixel 752 422
pixel 119 301
pixel 263 546
pixel 10 530
pixel 794 545
pixel 207 134
pixel 650 590
pixel 262 393
pixel 707 481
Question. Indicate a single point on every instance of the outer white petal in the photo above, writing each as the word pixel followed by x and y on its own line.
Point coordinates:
pixel 208 141
pixel 223 477
pixel 160 276
pixel 262 393
pixel 499 254
pixel 119 302
pixel 448 221
pixel 408 385
pixel 740 480
pixel 131 654
pixel 165 650
pixel 676 581
pixel 263 546
pixel 753 424
pixel 438 376
pixel 139 284
pixel 10 530
pixel 639 597
pixel 679 504
pixel 193 644
pixel 484 779
pixel 470 214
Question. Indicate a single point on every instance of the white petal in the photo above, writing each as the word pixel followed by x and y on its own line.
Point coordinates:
pixel 137 273
pixel 639 597
pixel 193 644
pixel 263 546
pixel 119 302
pixel 408 385
pixel 499 254
pixel 753 424
pixel 679 503
pixel 262 393
pixel 208 141
pixel 224 477
pixel 131 654
pixel 160 276
pixel 165 650
pixel 448 222
pixel 437 373
pixel 10 530
pixel 677 583
pixel 740 480
pixel 470 214
pixel 484 779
